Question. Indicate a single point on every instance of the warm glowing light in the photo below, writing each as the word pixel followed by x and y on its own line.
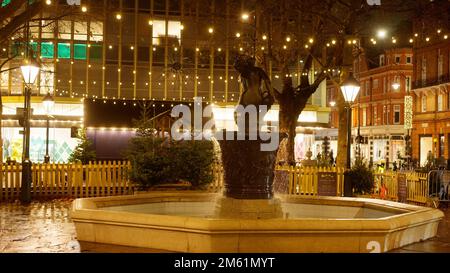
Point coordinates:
pixel 48 2
pixel 381 33
pixel 245 16
pixel 150 22
pixel 288 39
pixel 83 8
pixel 118 16
pixel 238 35
pixel 264 37
pixel 311 40
pixel 427 39
pixel 210 30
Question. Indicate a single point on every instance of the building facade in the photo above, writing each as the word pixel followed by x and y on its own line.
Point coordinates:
pixel 378 114
pixel 122 50
pixel 431 122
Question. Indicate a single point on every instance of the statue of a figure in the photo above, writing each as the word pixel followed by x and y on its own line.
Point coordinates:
pixel 251 78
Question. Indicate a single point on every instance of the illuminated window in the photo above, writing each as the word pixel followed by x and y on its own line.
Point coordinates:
pixel 64 29
pixel 47 50
pixel 80 31
pixel 48 28
pixel 440 102
pixel 47 77
pixel 79 51
pixel 64 50
pixel 159 30
pixel 96 31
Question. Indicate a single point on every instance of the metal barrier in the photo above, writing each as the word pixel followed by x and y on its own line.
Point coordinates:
pixel 439 186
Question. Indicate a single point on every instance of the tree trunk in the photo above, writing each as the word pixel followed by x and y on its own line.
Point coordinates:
pixel 341 159
pixel 288 123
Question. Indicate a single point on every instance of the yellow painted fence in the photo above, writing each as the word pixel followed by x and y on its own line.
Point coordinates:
pixel 67 180
pixel 111 178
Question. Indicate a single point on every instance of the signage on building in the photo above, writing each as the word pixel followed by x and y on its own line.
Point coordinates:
pixel 327 184
pixel 374 2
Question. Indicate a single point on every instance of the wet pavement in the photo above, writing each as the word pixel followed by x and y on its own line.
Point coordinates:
pixel 45 226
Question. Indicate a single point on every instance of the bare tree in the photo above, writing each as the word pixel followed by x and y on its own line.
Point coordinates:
pixel 323 36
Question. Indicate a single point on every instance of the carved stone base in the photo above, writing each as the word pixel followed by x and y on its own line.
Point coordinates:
pixel 248 209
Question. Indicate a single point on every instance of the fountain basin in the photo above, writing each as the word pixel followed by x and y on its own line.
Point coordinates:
pixel 187 222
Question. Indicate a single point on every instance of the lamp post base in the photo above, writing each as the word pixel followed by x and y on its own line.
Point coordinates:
pixel 25 191
pixel 46 159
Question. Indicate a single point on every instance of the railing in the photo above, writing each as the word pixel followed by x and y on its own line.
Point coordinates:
pixel 417 190
pixel 304 180
pixel 111 178
pixel 67 180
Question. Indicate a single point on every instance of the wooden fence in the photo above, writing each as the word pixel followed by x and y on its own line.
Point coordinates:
pixel 417 190
pixel 111 178
pixel 304 180
pixel 67 180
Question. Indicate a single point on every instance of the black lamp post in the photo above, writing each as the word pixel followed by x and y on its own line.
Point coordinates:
pixel 30 71
pixel 48 102
pixel 350 89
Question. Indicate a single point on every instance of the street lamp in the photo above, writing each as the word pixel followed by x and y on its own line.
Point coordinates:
pixel 396 85
pixel 30 71
pixel 350 89
pixel 48 102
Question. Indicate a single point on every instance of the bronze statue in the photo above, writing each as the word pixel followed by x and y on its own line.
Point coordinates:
pixel 250 77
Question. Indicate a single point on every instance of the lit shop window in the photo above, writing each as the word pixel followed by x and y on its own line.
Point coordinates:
pixel 80 31
pixel 159 30
pixel 96 30
pixel 47 78
pixel 48 29
pixel 64 29
pixel 79 51
pixel 47 50
pixel 64 50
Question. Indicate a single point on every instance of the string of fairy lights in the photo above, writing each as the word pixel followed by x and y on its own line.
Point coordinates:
pixel 175 80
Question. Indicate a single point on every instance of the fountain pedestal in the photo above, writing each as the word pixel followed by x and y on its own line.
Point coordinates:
pixel 248 181
pixel 231 208
pixel 248 171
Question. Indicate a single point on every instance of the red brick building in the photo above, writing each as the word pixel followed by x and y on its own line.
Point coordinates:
pixel 378 111
pixel 431 118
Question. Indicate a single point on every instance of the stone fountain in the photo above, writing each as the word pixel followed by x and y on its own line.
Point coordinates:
pixel 247 217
